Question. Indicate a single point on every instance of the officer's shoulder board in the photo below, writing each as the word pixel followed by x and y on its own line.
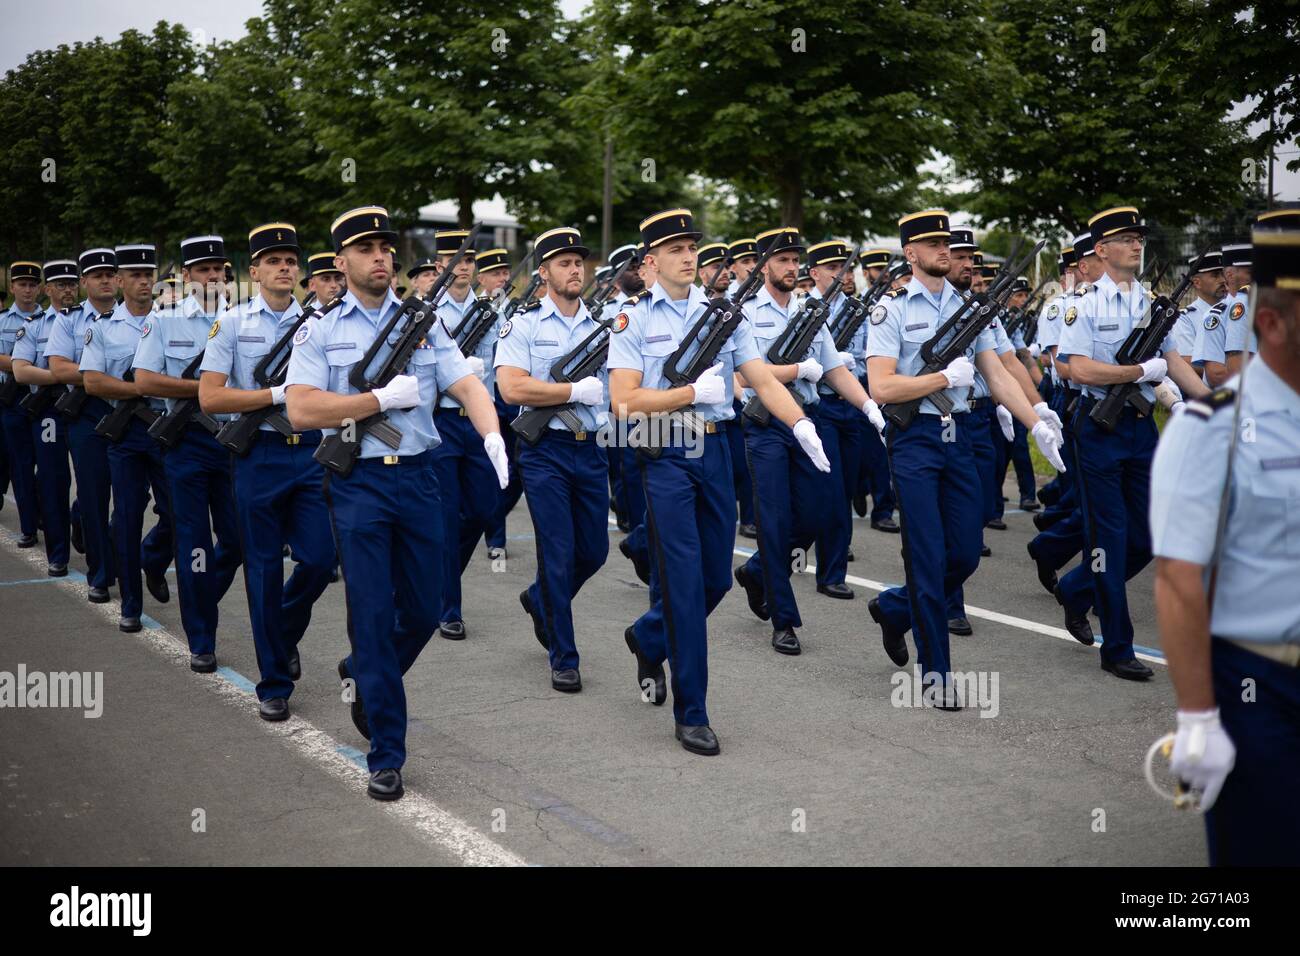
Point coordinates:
pixel 1083 288
pixel 895 293
pixel 1205 407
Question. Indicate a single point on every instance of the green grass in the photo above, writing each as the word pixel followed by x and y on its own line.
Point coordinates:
pixel 1043 470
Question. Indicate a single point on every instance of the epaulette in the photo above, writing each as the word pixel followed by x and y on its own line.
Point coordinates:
pixel 1083 288
pixel 895 293
pixel 1205 407
pixel 530 306
pixel 634 299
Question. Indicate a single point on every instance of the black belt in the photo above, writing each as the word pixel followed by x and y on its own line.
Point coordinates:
pixel 563 434
pixel 975 404
pixel 305 439
pixel 423 458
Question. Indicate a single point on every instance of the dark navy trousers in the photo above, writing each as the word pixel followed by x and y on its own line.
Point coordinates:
pixel 793 503
pixel 94 486
pixel 135 465
pixel 1254 823
pixel 506 501
pixel 1115 489
pixel 691 519
pixel 470 500
pixel 279 500
pixel 873 469
pixel 22 465
pixel 53 483
pixel 985 459
pixel 566 481
pixel 1016 452
pixel 739 467
pixel 387 522
pixel 198 477
pixel 839 425
pixel 940 508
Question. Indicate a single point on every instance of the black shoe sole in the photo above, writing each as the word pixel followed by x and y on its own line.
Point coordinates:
pixel 386 797
pixel 960 631
pixel 97 599
pixel 453 637
pixel 788 652
pixel 839 596
pixel 760 611
pixel 711 752
pixel 566 688
pixel 273 718
pixel 630 640
pixel 873 608
pixel 130 630
pixel 1136 678
pixel 204 670
pixel 57 572
pixel 538 631
pixel 356 705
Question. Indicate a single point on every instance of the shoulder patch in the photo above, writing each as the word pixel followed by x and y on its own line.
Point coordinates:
pixel 303 333
pixel 216 327
pixel 619 323
pixel 505 328
pixel 878 314
pixel 1205 407
pixel 1053 312
pixel 22 330
pixel 90 335
pixel 146 329
pixel 1212 320
pixel 1238 310
pixel 1070 315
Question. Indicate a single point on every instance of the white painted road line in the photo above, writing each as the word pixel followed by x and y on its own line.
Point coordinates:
pixel 431 821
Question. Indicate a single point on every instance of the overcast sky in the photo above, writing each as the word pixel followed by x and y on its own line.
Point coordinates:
pixel 44 24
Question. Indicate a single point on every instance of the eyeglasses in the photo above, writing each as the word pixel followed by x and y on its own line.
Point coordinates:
pixel 1129 240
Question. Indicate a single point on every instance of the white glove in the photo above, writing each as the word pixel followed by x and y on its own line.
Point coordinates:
pixel 1177 392
pixel 495 447
pixel 849 361
pixel 1153 370
pixel 1049 443
pixel 588 391
pixel 1004 422
pixel 402 392
pixel 277 394
pixel 709 387
pixel 475 365
pixel 1035 350
pixel 1203 753
pixel 1049 416
pixel 810 370
pixel 960 373
pixel 806 434
pixel 872 411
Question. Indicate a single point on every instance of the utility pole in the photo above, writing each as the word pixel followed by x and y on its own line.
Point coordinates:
pixel 607 205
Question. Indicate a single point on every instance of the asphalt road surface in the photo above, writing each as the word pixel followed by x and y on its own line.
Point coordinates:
pixel 818 765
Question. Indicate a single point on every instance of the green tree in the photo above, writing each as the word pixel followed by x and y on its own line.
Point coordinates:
pixel 460 100
pixel 1081 123
pixel 817 113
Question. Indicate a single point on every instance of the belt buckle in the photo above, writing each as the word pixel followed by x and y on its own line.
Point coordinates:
pixel 580 436
pixel 461 411
pixel 710 428
pixel 391 459
pixel 293 439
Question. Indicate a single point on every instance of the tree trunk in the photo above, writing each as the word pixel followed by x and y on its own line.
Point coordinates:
pixel 465 202
pixel 792 200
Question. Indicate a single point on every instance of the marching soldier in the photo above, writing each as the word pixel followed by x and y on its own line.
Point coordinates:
pixel 135 461
pixel 1114 467
pixel 47 427
pixel 277 483
pixel 1224 529
pixel 1211 355
pixel 386 513
pixel 565 473
pixel 198 468
pixel 492 271
pixel 25 285
pixel 939 496
pixel 98 269
pixel 620 488
pixel 1014 449
pixel 469 495
pixel 688 490
pixel 423 274
pixel 839 424
pixel 1208 288
pixel 873 470
pixel 322 279
pixel 793 495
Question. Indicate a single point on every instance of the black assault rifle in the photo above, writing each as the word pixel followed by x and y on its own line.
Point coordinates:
pixel 37 403
pixel 169 429
pixel 797 338
pixel 956 335
pixel 239 434
pixel 585 359
pixel 411 324
pixel 1142 344
pixel 113 425
pixel 716 324
pixel 856 310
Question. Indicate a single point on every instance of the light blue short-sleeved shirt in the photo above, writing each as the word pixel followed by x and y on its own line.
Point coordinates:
pixel 30 346
pixel 1001 345
pixel 903 321
pixel 1105 317
pixel 246 334
pixel 111 345
pixel 1236 321
pixel 68 336
pixel 1255 594
pixel 768 319
pixel 13 322
pixel 1185 328
pixel 452 313
pixel 535 340
pixel 1210 335
pixel 326 349
pixel 174 337
pixel 656 325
